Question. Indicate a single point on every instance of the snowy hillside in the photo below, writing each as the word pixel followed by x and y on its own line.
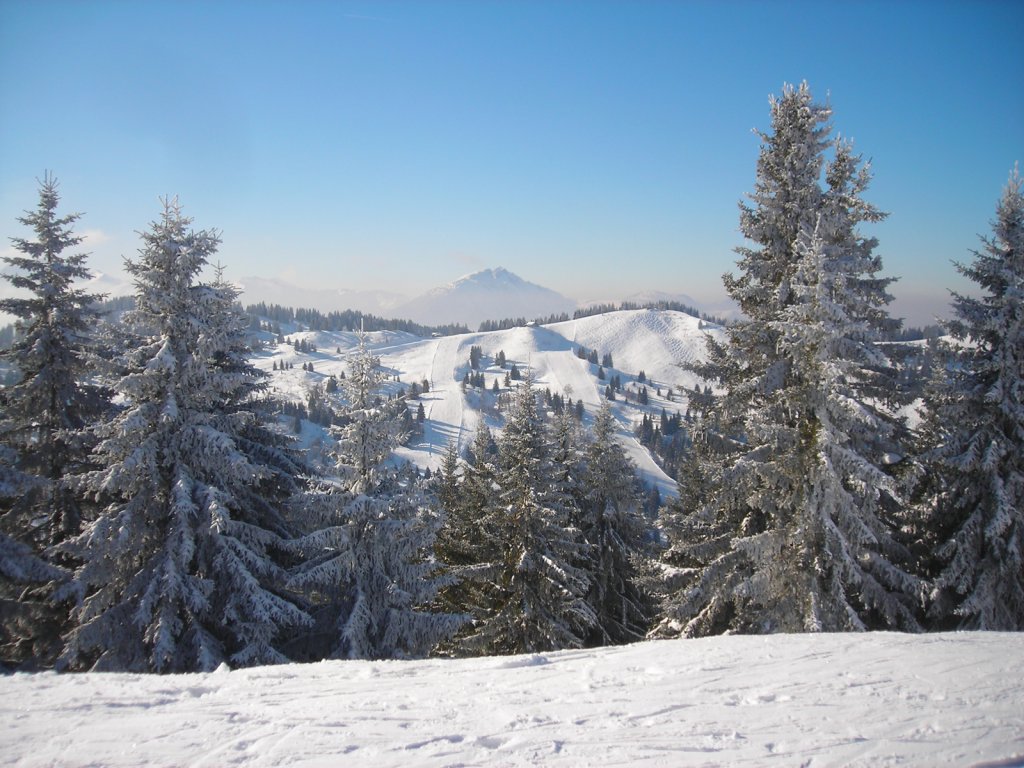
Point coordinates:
pixel 787 700
pixel 639 340
pixel 491 294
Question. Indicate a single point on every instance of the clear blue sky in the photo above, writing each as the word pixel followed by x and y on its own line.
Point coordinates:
pixel 595 148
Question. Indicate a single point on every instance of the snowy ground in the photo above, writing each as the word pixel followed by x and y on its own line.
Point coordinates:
pixel 786 700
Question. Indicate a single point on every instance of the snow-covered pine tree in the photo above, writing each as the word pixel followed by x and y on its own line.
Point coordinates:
pixel 29 623
pixel 786 199
pixel 459 540
pixel 372 425
pixel 181 570
pixel 369 564
pixel 446 479
pixel 566 445
pixel 537 596
pixel 613 527
pixel 42 419
pixel 975 427
pixel 396 577
pixel 44 412
pixel 465 543
pixel 802 531
pixel 696 536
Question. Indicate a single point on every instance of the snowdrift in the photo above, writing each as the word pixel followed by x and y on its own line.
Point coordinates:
pixel 788 700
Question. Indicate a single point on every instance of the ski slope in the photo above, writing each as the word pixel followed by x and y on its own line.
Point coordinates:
pixel 653 341
pixel 785 700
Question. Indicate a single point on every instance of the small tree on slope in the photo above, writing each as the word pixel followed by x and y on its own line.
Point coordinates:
pixel 975 425
pixel 181 567
pixel 802 532
pixel 42 418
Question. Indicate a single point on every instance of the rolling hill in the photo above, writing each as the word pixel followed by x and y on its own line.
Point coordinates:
pixel 652 341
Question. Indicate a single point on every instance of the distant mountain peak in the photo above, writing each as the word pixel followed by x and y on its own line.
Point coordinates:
pixel 488 294
pixel 497 277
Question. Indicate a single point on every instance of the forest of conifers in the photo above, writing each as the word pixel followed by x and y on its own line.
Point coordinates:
pixel 155 515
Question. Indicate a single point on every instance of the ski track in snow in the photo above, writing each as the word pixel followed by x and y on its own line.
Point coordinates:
pixel 789 700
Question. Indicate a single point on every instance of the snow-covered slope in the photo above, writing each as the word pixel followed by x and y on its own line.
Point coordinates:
pixel 640 340
pixel 651 340
pixel 491 294
pixel 787 700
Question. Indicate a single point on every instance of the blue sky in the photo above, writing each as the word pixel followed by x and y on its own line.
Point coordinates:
pixel 594 148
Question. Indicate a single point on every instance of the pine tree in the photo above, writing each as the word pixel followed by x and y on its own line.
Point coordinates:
pixel 181 569
pixel 29 624
pixel 448 479
pixel 613 528
pixel 373 427
pixel 42 418
pixel 802 531
pixel 975 426
pixel 395 578
pixel 537 594
pixel 465 542
pixel 45 410
pixel 368 549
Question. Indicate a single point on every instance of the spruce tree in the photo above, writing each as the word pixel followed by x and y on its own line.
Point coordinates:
pixel 29 623
pixel 45 410
pixel 975 429
pixel 466 543
pixel 182 568
pixel 447 478
pixel 536 593
pixel 369 566
pixel 613 528
pixel 43 414
pixel 802 532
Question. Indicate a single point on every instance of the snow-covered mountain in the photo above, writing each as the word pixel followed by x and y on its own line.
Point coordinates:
pixel 652 341
pixel 491 294
pixel 277 291
pixel 853 699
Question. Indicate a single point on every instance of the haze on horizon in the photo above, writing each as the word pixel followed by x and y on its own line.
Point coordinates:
pixel 599 150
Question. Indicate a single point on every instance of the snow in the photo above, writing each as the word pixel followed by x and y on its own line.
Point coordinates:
pixel 788 700
pixel 654 341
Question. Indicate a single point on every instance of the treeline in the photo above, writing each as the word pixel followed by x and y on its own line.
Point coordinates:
pixel 520 322
pixel 593 310
pixel 346 320
pixel 674 306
